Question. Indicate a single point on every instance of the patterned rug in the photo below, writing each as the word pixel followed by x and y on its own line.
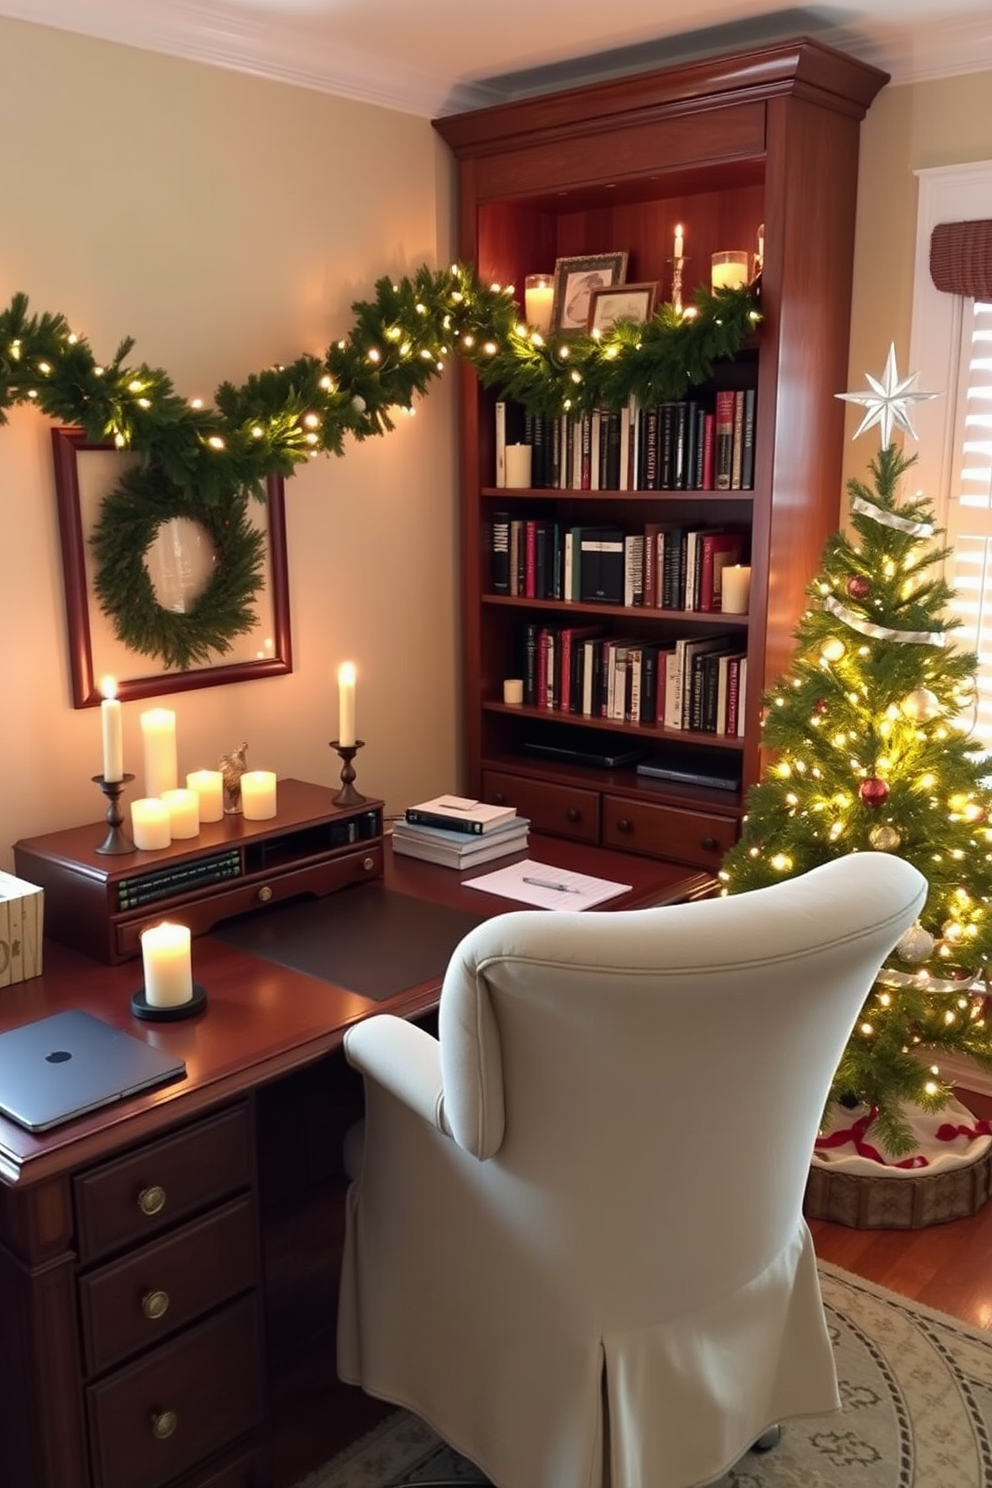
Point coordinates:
pixel 917 1412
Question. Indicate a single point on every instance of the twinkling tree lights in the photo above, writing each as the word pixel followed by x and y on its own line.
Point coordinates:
pixel 868 755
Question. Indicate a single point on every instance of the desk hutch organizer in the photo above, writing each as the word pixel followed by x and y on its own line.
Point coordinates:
pixel 769 136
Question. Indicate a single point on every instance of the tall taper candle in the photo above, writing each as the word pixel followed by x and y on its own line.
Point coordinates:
pixel 110 726
pixel 158 732
pixel 346 703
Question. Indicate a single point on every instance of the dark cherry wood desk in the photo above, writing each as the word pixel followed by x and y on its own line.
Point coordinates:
pixel 130 1276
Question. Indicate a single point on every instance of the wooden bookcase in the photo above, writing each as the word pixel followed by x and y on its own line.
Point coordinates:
pixel 768 136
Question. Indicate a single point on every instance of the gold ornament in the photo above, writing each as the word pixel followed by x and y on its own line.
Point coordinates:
pixel 885 837
pixel 920 705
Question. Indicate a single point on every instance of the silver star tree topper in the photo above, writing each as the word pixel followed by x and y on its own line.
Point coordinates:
pixel 888 402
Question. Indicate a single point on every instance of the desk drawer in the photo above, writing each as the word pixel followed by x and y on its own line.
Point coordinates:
pixel 149 1294
pixel 177 1406
pixel 207 909
pixel 142 1194
pixel 564 810
pixel 694 837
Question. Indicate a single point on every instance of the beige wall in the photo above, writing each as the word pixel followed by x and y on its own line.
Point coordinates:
pixel 226 223
pixel 908 128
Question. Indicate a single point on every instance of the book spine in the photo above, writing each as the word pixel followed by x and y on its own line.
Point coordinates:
pixel 500 418
pixel 531 632
pixel 666 447
pixel 530 558
pixel 723 438
pixel 737 452
pixel 633 578
pixel 438 819
pixel 651 419
pixel 709 452
pixel 501 553
pixel 747 453
pixel 733 694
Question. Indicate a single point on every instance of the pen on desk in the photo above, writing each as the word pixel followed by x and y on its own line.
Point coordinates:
pixel 546 883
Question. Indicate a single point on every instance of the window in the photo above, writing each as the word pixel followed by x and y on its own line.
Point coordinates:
pixel 951 348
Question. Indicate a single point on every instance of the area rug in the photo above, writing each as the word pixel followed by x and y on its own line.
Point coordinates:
pixel 916 1387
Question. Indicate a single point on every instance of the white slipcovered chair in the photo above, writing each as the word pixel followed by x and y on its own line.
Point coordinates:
pixel 575 1246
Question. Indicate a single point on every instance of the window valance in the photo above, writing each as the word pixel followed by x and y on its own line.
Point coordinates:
pixel 961 258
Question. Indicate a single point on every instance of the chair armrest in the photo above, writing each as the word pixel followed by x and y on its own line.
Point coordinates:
pixel 403 1059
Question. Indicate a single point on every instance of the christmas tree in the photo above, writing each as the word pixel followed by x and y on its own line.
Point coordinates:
pixel 867 754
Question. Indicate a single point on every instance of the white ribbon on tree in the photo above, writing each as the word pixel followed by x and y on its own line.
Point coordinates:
pixel 890 519
pixel 883 632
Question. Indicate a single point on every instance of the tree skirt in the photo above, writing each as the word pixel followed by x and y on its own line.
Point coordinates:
pixel 947 1176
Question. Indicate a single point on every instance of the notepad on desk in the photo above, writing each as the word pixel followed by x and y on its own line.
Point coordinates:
pixel 546 887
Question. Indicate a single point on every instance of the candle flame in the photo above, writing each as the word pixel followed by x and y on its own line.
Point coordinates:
pixel 108 687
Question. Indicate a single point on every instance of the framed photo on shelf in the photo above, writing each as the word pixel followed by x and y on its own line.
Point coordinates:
pixel 634 302
pixel 575 281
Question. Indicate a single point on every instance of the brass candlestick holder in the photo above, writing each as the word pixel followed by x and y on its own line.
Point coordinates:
pixel 347 795
pixel 116 840
pixel 678 265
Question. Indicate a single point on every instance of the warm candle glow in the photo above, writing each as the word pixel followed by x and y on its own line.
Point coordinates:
pixel 735 594
pixel 346 703
pixel 679 250
pixel 165 957
pixel 183 807
pixel 209 786
pixel 110 726
pixel 150 823
pixel 258 795
pixel 158 732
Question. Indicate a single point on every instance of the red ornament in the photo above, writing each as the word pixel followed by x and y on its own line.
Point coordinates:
pixel 858 587
pixel 821 705
pixel 873 791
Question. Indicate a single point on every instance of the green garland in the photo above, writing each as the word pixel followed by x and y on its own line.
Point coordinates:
pixel 206 462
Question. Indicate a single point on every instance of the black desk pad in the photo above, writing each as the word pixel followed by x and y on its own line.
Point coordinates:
pixel 369 939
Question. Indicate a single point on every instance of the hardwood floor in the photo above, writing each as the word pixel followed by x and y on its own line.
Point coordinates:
pixel 948 1267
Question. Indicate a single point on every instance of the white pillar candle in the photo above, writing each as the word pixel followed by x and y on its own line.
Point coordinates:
pixel 110 727
pixel 518 466
pixel 209 787
pixel 183 806
pixel 735 591
pixel 258 795
pixel 513 690
pixel 150 823
pixel 539 294
pixel 346 704
pixel 165 957
pixel 158 733
pixel 729 270
pixel 679 245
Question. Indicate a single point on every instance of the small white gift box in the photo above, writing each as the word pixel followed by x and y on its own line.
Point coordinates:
pixel 22 907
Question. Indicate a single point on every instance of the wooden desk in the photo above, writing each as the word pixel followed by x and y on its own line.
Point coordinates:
pixel 131 1289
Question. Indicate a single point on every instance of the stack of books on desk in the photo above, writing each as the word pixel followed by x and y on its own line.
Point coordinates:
pixel 458 833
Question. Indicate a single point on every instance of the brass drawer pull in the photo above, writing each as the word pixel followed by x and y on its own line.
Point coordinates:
pixel 623 824
pixel 710 844
pixel 151 1200
pixel 164 1424
pixel 368 864
pixel 573 814
pixel 264 894
pixel 155 1305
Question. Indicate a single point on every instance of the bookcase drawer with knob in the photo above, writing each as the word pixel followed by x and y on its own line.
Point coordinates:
pixel 562 810
pixel 694 837
pixel 148 1295
pixel 178 1405
pixel 140 1195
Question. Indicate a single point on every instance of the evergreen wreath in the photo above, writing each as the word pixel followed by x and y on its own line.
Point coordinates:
pixel 129 519
pixel 208 462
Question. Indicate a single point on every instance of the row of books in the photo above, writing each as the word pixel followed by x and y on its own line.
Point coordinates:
pixel 694 683
pixel 665 565
pixel 688 444
pixel 457 832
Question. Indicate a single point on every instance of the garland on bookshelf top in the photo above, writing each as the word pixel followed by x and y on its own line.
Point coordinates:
pixel 208 462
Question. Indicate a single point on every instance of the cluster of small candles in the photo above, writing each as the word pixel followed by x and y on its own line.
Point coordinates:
pixel 168 812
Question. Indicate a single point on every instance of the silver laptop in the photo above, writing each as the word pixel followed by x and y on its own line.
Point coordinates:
pixel 59 1067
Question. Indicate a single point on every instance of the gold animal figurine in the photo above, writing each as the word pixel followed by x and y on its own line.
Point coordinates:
pixel 232 766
